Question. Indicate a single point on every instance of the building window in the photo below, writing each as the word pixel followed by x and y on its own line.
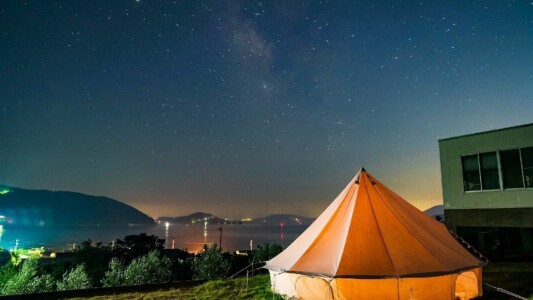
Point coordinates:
pixel 527 165
pixel 482 171
pixel 490 178
pixel 511 169
pixel 471 180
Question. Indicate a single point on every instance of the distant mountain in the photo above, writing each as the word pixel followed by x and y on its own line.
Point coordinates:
pixel 22 207
pixel 436 211
pixel 286 219
pixel 198 217
pixel 201 217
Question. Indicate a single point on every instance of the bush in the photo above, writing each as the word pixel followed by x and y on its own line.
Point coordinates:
pixel 210 264
pixel 115 276
pixel 151 268
pixel 267 252
pixel 41 283
pixel 27 280
pixel 75 279
pixel 7 272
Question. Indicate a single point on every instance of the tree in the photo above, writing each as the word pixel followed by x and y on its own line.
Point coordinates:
pixel 95 256
pixel 115 276
pixel 210 264
pixel 137 245
pixel 75 279
pixel 27 280
pixel 151 268
pixel 267 251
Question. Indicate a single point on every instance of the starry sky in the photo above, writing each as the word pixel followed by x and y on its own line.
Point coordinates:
pixel 246 108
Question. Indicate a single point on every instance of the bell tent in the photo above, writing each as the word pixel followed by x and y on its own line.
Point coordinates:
pixel 372 244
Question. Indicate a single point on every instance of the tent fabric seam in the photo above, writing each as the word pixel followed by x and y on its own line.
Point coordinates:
pixel 408 229
pixel 353 195
pixel 412 234
pixel 413 275
pixel 315 240
pixel 379 228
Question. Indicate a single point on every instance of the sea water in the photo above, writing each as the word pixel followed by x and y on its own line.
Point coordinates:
pixel 178 236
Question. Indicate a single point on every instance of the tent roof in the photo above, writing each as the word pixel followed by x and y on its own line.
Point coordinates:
pixel 368 231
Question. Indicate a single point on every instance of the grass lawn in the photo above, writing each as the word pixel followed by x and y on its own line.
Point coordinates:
pixel 258 288
pixel 517 278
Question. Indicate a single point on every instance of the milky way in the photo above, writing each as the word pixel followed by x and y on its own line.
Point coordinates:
pixel 249 108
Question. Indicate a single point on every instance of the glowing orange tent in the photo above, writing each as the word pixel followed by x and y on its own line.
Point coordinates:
pixel 371 244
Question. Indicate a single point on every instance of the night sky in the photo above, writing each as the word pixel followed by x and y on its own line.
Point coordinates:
pixel 249 108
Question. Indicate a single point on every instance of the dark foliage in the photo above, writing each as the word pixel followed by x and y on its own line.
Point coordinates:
pixel 181 264
pixel 267 251
pixel 237 263
pixel 56 269
pixel 96 257
pixel 134 246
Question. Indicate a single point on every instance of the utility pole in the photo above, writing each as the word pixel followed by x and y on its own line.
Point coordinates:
pixel 220 240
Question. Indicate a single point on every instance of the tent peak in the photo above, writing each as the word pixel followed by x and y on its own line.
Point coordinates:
pixel 359 175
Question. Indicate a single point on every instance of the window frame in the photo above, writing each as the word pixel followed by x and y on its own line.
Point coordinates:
pixel 521 169
pixel 522 165
pixel 498 167
pixel 478 171
pixel 500 171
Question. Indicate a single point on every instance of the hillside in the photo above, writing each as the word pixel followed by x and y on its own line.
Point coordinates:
pixel 285 219
pixel 198 217
pixel 23 207
pixel 201 217
pixel 436 211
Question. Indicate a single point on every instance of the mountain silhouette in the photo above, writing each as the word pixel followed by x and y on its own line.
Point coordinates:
pixel 286 219
pixel 197 217
pixel 436 211
pixel 23 207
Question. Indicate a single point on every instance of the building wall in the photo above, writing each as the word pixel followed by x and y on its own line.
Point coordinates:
pixel 502 217
pixel 499 223
pixel 451 151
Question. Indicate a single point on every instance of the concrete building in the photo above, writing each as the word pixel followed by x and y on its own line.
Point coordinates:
pixel 487 185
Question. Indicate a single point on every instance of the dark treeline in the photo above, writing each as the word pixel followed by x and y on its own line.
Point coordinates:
pixel 136 259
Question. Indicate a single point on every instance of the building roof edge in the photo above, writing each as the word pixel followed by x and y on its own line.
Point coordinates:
pixel 484 132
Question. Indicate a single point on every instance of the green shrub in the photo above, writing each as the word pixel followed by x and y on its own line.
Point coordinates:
pixel 7 272
pixel 75 279
pixel 115 276
pixel 210 264
pixel 151 268
pixel 27 280
pixel 41 283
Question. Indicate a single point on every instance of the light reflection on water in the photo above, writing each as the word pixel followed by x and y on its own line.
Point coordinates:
pixel 182 236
